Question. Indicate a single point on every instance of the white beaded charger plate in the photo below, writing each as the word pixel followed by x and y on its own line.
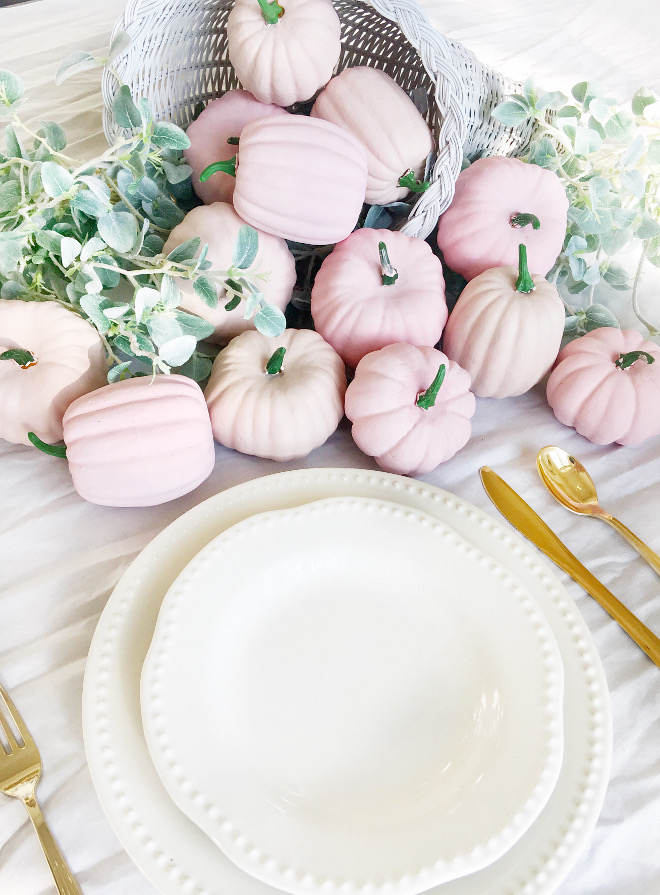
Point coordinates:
pixel 173 853
pixel 348 697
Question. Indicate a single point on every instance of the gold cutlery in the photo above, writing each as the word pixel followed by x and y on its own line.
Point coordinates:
pixel 20 769
pixel 530 524
pixel 567 480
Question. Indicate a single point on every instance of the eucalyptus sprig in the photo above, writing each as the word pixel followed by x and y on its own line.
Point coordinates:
pixel 608 158
pixel 89 235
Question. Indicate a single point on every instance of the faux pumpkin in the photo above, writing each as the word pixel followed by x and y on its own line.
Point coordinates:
pixel 370 104
pixel 505 330
pixel 606 385
pixel 283 54
pixel 221 121
pixel 500 202
pixel 377 287
pixel 299 178
pixel 65 358
pixel 276 398
pixel 218 225
pixel 139 442
pixel 411 408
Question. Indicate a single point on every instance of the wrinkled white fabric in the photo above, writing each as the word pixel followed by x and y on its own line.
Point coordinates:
pixel 60 557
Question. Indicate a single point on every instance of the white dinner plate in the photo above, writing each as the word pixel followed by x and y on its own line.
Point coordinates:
pixel 175 855
pixel 348 697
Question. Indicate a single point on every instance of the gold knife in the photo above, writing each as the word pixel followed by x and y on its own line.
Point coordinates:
pixel 522 516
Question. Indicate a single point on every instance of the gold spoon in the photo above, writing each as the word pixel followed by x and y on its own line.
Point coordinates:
pixel 568 480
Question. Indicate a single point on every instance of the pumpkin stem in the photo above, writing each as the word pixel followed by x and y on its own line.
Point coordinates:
pixel 22 356
pixel 232 141
pixel 524 283
pixel 274 365
pixel 55 450
pixel 271 11
pixel 410 182
pixel 227 167
pixel 627 360
pixel 522 218
pixel 426 399
pixel 389 274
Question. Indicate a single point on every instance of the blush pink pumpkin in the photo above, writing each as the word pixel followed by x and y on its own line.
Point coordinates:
pixel 139 442
pixel 371 105
pixel 606 385
pixel 218 225
pixel 274 403
pixel 360 302
pixel 505 330
pixel 299 178
pixel 70 360
pixel 500 202
pixel 283 54
pixel 411 408
pixel 223 119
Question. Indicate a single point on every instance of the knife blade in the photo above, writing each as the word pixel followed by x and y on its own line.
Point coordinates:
pixel 529 523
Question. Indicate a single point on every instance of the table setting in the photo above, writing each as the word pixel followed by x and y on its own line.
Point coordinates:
pixel 299 595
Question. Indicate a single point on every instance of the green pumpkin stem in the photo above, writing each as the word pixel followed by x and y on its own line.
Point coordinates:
pixel 389 274
pixel 522 218
pixel 274 365
pixel 55 450
pixel 409 182
pixel 232 141
pixel 627 360
pixel 271 11
pixel 22 356
pixel 524 283
pixel 227 167
pixel 426 399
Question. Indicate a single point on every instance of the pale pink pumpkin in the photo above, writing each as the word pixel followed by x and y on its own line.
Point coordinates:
pixel 70 360
pixel 411 408
pixel 360 304
pixel 606 385
pixel 370 104
pixel 218 226
pixel 500 202
pixel 283 54
pixel 505 330
pixel 223 119
pixel 139 442
pixel 282 414
pixel 299 178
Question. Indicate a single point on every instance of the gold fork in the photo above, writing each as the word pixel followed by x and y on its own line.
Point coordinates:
pixel 20 769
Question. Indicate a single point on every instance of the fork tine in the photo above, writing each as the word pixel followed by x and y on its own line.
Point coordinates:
pixel 16 718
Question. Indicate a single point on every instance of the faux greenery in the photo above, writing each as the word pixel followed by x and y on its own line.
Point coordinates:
pixel 90 236
pixel 608 157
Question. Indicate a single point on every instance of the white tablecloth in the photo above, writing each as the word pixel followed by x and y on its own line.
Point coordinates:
pixel 60 557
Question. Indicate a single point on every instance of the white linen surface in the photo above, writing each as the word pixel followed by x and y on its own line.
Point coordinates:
pixel 60 557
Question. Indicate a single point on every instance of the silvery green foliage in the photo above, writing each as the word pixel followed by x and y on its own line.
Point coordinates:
pixel 90 236
pixel 608 158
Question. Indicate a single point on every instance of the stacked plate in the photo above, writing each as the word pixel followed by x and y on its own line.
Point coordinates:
pixel 339 680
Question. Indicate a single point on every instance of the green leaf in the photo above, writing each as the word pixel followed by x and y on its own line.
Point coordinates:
pixel 89 204
pixel 70 249
pixel 648 228
pixel 120 42
pixel 163 328
pixel 116 312
pixel 11 87
pixel 600 107
pixel 13 144
pixel 90 303
pixel 10 196
pixel 119 372
pixel 270 321
pixel 56 180
pixel 207 291
pixel 641 99
pixel 98 187
pixel 614 241
pixel 146 298
pixel 576 244
pixel 198 367
pixel 186 251
pixel 586 141
pixel 634 152
pixel 653 153
pixel 176 173
pixel 192 325
pixel 511 113
pixel 152 245
pixel 598 187
pixel 597 315
pixel 579 91
pixel 34 180
pixel 74 63
pixel 126 113
pixel 145 110
pixel 91 247
pixel 53 134
pixel 177 351
pixel 621 126
pixel 592 275
pixel 49 240
pixel 118 229
pixel 171 295
pixel 578 267
pixel 633 181
pixel 246 247
pixel 169 136
pixel 616 275
pixel 109 278
pixel 163 212
pixel 11 252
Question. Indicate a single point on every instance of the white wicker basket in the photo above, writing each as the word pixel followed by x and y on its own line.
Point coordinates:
pixel 178 58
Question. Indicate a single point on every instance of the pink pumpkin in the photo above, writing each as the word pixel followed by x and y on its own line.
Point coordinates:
pixel 276 398
pixel 500 202
pixel 223 119
pixel 411 408
pixel 139 442
pixel 283 54
pixel 299 178
pixel 218 225
pixel 68 360
pixel 505 330
pixel 606 385
pixel 378 287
